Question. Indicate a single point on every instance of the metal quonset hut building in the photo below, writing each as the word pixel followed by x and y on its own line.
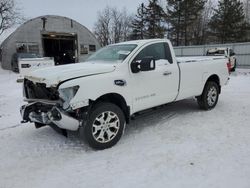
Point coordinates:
pixel 51 36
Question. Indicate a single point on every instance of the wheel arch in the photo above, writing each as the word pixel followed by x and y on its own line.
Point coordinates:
pixel 214 78
pixel 116 99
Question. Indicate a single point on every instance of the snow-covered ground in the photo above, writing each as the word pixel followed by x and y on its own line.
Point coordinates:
pixel 175 146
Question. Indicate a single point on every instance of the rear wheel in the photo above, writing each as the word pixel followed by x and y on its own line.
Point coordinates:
pixel 105 126
pixel 209 97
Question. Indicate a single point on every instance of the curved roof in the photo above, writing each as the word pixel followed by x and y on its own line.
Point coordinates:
pixel 46 16
pixel 33 31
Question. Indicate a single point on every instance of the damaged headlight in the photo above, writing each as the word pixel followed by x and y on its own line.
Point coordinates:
pixel 66 94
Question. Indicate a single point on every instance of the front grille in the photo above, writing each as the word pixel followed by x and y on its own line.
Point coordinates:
pixel 39 91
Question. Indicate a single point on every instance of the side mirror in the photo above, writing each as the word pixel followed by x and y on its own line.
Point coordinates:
pixel 135 67
pixel 146 64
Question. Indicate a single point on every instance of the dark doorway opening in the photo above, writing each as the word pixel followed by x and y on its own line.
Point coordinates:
pixel 63 47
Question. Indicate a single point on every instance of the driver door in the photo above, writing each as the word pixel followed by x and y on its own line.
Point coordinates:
pixel 155 87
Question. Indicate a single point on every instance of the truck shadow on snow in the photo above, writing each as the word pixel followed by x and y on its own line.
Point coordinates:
pixel 140 123
pixel 152 117
pixel 161 115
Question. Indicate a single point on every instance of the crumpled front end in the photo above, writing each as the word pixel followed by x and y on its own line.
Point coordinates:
pixel 49 106
pixel 42 113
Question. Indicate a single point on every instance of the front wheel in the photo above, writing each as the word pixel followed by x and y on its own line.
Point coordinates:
pixel 209 96
pixel 105 126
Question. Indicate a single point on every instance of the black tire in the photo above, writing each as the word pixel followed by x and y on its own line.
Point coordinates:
pixel 98 134
pixel 205 101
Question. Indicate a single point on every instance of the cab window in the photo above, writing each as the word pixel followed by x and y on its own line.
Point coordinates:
pixel 157 51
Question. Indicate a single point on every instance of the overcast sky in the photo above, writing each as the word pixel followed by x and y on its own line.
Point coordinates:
pixel 83 11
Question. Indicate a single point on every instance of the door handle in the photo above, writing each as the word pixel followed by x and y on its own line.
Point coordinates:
pixel 167 73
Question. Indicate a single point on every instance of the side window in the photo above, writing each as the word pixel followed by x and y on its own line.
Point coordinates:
pixel 158 51
pixel 154 50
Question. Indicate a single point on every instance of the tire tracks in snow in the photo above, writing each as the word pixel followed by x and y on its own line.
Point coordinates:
pixel 11 127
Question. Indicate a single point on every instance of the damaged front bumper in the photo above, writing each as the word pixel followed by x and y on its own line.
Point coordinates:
pixel 48 113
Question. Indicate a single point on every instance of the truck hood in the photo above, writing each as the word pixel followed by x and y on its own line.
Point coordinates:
pixel 52 76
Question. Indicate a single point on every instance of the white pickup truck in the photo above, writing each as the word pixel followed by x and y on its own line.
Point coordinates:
pixel 98 97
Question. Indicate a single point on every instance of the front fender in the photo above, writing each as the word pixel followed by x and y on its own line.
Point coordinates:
pixel 93 87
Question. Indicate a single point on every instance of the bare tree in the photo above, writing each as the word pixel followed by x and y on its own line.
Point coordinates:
pixel 9 15
pixel 112 26
pixel 116 25
pixel 102 27
pixel 126 26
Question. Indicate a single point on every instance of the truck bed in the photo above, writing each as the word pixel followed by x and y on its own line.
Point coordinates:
pixel 194 72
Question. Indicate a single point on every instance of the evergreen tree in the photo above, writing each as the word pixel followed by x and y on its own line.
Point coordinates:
pixel 183 15
pixel 228 23
pixel 155 20
pixel 138 23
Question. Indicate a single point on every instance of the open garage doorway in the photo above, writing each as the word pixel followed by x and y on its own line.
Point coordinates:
pixel 61 46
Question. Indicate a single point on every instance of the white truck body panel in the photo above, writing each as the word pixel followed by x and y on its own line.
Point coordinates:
pixel 192 82
pixel 149 88
pixel 55 75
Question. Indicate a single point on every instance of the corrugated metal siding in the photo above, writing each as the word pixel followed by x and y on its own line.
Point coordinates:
pixel 242 51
